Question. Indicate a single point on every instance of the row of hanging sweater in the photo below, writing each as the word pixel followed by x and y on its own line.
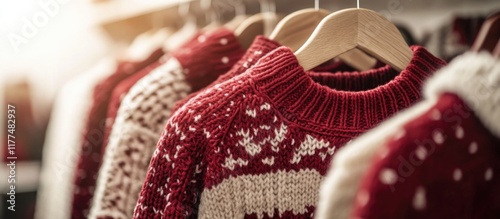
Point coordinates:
pixel 207 128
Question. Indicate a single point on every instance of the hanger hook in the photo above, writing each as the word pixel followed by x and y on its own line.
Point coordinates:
pixel 316 5
pixel 358 3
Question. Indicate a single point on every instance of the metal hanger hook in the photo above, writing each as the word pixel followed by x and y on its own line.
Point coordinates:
pixel 316 5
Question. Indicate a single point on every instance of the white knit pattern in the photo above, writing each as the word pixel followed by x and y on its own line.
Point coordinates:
pixel 137 128
pixel 62 144
pixel 261 194
pixel 466 76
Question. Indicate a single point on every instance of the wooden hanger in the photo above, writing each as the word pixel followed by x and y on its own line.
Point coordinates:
pixel 259 24
pixel 234 23
pixel 297 27
pixel 252 27
pixel 294 30
pixel 488 35
pixel 349 29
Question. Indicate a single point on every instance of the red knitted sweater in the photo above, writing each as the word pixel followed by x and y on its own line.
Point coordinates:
pixel 143 112
pixel 93 135
pixel 259 144
pixel 445 162
pixel 260 47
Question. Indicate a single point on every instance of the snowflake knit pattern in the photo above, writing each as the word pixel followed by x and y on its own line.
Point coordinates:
pixel 89 159
pixel 448 154
pixel 143 112
pixel 258 145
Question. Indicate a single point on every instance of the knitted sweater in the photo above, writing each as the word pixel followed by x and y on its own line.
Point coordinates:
pixel 143 113
pixel 61 147
pixel 119 93
pixel 449 154
pixel 260 47
pixel 89 159
pixel 259 144
pixel 439 151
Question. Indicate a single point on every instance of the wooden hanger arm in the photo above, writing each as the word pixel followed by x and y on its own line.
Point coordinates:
pixel 358 59
pixel 355 28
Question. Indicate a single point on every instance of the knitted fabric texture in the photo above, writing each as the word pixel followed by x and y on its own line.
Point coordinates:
pixel 60 151
pixel 143 113
pixel 472 77
pixel 259 48
pixel 449 154
pixel 119 93
pixel 259 144
pixel 90 158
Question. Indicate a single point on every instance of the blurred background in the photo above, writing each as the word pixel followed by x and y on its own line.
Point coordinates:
pixel 46 43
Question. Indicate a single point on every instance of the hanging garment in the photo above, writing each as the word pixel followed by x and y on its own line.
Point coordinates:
pixel 449 154
pixel 64 135
pixel 259 48
pixel 119 93
pixel 436 160
pixel 143 113
pixel 259 144
pixel 93 135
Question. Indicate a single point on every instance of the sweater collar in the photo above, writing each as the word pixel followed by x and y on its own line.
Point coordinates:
pixel 348 101
pixel 475 78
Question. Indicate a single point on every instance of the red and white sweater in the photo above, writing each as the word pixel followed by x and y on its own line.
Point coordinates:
pixel 89 158
pixel 439 159
pixel 143 112
pixel 259 144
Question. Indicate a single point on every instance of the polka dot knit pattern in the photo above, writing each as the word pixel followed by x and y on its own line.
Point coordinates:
pixel 435 160
pixel 143 112
pixel 93 135
pixel 444 163
pixel 259 144
pixel 260 47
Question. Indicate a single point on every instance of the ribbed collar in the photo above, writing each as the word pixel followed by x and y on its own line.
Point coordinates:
pixel 475 78
pixel 365 100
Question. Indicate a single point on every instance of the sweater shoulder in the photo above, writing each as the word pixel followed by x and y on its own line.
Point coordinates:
pixel 216 104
